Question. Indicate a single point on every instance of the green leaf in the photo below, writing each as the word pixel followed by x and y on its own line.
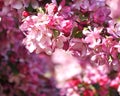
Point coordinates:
pixel 13 68
pixel 80 85
pixel 77 33
pixel 96 86
pixel 30 8
pixel 55 33
pixel 118 56
pixel 83 17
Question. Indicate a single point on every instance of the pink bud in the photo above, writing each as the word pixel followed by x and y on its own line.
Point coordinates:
pixel 25 13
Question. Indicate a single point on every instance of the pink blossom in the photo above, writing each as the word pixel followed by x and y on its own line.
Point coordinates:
pixel 93 38
pixel 108 44
pixel 92 49
pixel 118 47
pixel 114 29
pixel 118 89
pixel 63 71
pixel 66 12
pixel 114 7
pixel 66 27
pixel 103 91
pixel 95 4
pixel 88 5
pixel 83 4
pixel 115 83
pixel 1 4
pixel 88 92
pixel 51 8
pixel 103 81
pixel 101 15
pixel 58 42
pixel 9 22
pixel 74 82
pixel 38 36
pixel 94 74
pixel 59 23
pixel 21 3
pixel 78 47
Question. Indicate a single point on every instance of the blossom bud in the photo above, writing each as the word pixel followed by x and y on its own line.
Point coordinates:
pixel 25 13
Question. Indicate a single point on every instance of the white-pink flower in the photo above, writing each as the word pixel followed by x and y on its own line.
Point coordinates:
pixel 38 36
pixel 93 37
pixel 118 89
pixel 67 66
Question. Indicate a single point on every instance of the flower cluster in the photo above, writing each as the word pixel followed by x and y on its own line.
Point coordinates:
pixel 73 48
pixel 21 73
pixel 83 42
